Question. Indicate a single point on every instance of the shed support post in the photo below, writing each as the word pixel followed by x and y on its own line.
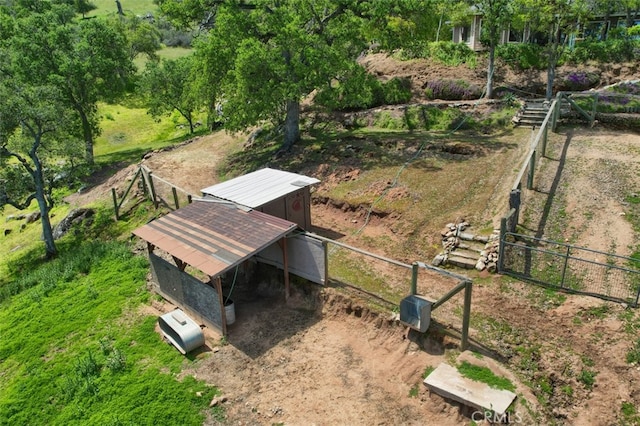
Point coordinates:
pixel 179 263
pixel 223 314
pixel 285 266
pixel 325 247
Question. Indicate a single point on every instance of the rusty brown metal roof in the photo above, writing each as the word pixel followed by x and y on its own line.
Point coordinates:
pixel 214 237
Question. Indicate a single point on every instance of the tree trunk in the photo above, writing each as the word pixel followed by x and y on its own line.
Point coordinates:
pixel 190 120
pixel 631 15
pixel 490 71
pixel 47 232
pixel 551 74
pixel 605 27
pixel 291 124
pixel 554 45
pixel 87 133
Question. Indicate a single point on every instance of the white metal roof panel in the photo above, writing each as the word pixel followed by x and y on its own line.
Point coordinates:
pixel 258 188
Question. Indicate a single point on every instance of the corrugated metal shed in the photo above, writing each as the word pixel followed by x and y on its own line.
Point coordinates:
pixel 214 236
pixel 258 188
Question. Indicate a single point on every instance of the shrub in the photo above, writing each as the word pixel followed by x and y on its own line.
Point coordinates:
pixel 579 80
pixel 614 49
pixel 626 88
pixel 522 56
pixel 354 90
pixel 450 53
pixel 361 90
pixel 452 90
pixel 397 91
pixel 443 52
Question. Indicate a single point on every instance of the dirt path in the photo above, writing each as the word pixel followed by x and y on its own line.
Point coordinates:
pixel 316 362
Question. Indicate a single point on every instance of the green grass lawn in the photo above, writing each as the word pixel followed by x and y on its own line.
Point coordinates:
pixel 75 349
pixel 164 53
pixel 130 7
pixel 127 133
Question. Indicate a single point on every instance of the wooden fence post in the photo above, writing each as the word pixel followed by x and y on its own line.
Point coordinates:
pixel 514 203
pixel 414 278
pixel 115 202
pixel 466 316
pixel 564 268
pixel 595 109
pixel 152 190
pixel 175 197
pixel 503 234
pixel 532 166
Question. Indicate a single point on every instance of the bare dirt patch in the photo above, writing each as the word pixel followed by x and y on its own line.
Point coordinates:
pixel 527 82
pixel 327 358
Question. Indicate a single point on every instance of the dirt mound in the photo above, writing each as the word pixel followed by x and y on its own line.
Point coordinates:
pixel 525 82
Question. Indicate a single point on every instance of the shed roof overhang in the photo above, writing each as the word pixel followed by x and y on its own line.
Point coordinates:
pixel 214 236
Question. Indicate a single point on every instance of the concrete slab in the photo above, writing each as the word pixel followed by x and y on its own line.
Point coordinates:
pixel 446 381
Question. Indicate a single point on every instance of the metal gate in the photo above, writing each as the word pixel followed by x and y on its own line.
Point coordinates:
pixel 570 268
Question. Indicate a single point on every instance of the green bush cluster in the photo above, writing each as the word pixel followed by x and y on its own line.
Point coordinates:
pixel 424 117
pixel 522 56
pixel 360 90
pixel 610 50
pixel 443 52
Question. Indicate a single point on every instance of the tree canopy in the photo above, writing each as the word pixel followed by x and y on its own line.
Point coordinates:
pixel 168 86
pixel 53 71
pixel 284 51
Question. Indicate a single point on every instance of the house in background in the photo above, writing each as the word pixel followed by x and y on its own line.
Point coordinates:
pixel 470 33
pixel 594 28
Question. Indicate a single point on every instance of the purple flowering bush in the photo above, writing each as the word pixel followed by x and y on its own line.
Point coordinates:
pixel 452 90
pixel 579 80
pixel 627 88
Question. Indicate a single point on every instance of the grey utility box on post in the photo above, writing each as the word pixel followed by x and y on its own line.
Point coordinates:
pixel 415 311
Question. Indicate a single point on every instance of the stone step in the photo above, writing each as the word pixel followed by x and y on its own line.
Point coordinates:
pixel 475 246
pixel 466 253
pixel 447 381
pixel 461 262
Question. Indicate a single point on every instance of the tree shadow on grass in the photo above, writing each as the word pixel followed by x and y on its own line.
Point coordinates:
pixel 366 149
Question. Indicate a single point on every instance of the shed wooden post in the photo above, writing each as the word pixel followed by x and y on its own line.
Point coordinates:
pixel 223 314
pixel 285 266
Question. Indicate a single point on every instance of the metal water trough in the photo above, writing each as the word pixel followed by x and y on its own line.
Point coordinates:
pixel 415 312
pixel 181 331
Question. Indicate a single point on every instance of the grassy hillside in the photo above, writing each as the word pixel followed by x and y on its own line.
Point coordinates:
pixel 129 132
pixel 134 7
pixel 77 348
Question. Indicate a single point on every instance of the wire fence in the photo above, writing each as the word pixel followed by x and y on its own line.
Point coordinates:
pixel 158 190
pixel 164 192
pixel 390 281
pixel 571 268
